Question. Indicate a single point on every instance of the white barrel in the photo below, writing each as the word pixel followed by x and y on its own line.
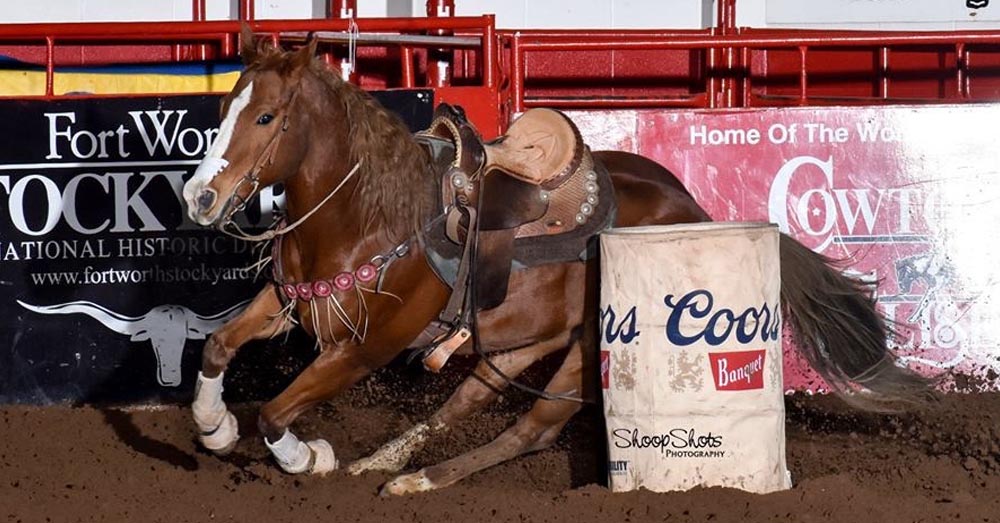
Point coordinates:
pixel 691 357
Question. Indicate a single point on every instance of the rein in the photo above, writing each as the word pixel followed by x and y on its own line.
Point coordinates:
pixel 239 233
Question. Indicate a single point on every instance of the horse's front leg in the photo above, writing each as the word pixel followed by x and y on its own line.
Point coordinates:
pixel 334 370
pixel 218 430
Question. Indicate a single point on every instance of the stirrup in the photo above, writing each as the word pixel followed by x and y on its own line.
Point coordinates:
pixel 438 355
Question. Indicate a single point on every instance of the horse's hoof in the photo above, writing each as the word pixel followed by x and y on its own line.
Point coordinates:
pixel 407 484
pixel 323 459
pixel 223 439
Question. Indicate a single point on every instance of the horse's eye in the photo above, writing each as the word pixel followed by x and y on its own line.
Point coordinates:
pixel 265 119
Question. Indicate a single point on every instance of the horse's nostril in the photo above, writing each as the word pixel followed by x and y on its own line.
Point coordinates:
pixel 205 200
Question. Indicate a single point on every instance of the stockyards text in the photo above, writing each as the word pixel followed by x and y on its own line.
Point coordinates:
pixel 96 244
pixel 903 195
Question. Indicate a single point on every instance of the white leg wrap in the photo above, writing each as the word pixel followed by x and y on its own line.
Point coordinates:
pixel 295 457
pixel 218 427
pixel 208 407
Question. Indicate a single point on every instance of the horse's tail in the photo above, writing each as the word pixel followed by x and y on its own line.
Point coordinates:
pixel 843 337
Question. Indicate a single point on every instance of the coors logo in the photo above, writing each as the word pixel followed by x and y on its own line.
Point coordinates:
pixel 720 324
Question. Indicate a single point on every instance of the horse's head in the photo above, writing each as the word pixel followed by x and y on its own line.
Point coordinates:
pixel 260 141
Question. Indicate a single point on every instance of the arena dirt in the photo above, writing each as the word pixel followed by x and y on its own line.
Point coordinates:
pixel 93 463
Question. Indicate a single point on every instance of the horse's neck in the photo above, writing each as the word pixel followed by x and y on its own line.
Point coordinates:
pixel 338 229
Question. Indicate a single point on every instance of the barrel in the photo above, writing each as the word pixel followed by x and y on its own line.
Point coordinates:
pixel 691 357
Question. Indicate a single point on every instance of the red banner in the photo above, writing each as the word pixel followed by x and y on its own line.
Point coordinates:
pixel 907 196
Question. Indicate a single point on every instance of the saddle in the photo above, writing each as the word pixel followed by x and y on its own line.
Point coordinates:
pixel 529 197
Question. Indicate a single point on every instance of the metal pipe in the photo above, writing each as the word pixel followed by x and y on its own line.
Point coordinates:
pixel 567 41
pixel 725 16
pixel 440 8
pixel 50 65
pixel 616 103
pixel 247 10
pixel 227 47
pixel 883 72
pixel 388 38
pixel 961 74
pixel 198 15
pixel 517 73
pixel 409 80
pixel 344 9
pixel 198 10
pixel 872 39
pixel 746 77
pixel 162 30
pixel 712 83
pixel 439 61
pixel 803 75
pixel 489 58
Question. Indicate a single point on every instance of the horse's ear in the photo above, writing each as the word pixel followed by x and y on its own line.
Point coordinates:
pixel 303 57
pixel 251 48
pixel 248 47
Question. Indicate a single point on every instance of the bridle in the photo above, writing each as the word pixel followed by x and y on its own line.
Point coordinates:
pixel 236 203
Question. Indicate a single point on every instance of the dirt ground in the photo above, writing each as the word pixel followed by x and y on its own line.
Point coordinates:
pixel 66 464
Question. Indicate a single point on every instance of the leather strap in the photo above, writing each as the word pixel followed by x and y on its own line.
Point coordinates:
pixel 455 313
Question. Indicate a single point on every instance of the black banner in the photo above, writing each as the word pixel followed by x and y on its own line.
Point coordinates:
pixel 110 290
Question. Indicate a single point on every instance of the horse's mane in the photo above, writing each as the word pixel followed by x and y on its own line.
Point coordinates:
pixel 394 169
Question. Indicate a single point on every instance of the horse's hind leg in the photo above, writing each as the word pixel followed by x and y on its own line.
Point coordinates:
pixel 218 430
pixel 476 391
pixel 535 430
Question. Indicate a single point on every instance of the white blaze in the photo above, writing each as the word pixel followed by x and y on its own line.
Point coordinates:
pixel 214 163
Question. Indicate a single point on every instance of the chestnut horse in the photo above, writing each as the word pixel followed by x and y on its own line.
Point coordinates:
pixel 357 186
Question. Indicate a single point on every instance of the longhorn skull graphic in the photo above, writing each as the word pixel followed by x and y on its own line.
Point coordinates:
pixel 167 327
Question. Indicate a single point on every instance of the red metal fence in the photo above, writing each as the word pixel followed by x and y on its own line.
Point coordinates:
pixel 471 61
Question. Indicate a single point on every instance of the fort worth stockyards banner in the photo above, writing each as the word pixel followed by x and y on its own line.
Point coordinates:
pixel 109 291
pixel 908 196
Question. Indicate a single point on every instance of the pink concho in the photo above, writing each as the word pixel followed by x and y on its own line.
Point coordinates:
pixel 322 289
pixel 305 291
pixel 290 291
pixel 366 273
pixel 343 281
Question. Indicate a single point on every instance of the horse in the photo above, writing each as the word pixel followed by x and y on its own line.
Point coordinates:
pixel 349 265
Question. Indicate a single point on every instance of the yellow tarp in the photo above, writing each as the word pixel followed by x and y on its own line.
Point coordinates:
pixel 28 83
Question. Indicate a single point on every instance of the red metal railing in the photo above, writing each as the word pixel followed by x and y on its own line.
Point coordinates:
pixel 216 38
pixel 721 67
pixel 730 58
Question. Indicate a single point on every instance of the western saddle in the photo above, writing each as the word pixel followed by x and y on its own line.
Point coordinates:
pixel 530 197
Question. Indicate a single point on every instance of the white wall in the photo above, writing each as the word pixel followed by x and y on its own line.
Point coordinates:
pixel 868 14
pixel 518 14
pixel 513 14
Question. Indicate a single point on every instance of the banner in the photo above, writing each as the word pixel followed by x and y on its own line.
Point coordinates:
pixel 110 290
pixel 906 196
